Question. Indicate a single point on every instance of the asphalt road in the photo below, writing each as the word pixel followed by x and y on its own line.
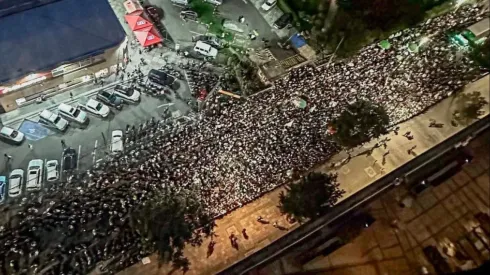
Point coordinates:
pixel 92 141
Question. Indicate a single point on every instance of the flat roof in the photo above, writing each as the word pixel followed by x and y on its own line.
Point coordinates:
pixel 47 36
pixel 480 28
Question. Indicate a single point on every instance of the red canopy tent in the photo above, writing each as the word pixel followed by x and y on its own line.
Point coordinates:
pixel 148 36
pixel 138 20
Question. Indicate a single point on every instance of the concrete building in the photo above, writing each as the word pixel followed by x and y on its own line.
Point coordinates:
pixel 48 46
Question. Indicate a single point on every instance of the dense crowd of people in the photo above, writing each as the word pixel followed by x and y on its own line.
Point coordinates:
pixel 237 151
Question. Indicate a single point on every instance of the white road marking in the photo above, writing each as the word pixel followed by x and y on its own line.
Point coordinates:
pixel 61 166
pixel 78 157
pixel 197 33
pixel 94 154
pixel 166 104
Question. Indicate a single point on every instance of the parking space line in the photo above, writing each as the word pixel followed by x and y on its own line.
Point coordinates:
pixel 61 166
pixel 166 104
pixel 94 154
pixel 45 173
pixel 78 157
pixel 197 33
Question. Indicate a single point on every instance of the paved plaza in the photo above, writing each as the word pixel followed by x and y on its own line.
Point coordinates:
pixel 353 176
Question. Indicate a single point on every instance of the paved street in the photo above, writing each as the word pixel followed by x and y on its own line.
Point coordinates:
pixel 355 175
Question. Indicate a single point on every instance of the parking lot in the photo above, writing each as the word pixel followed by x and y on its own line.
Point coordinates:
pixel 91 142
pixel 182 32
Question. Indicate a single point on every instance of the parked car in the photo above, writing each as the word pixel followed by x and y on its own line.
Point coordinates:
pixel 95 107
pixel 161 77
pixel 268 5
pixel 3 185
pixel 34 175
pixel 205 49
pixel 180 2
pixel 52 170
pixel 189 15
pixel 154 12
pixel 53 120
pixel 16 180
pixel 215 2
pixel 283 21
pixel 128 94
pixel 110 99
pixel 211 40
pixel 73 113
pixel 117 145
pixel 11 135
pixel 69 159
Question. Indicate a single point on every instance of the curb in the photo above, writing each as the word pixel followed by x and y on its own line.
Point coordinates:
pixel 69 100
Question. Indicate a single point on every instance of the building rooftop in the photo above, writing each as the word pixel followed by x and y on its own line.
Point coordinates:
pixel 46 36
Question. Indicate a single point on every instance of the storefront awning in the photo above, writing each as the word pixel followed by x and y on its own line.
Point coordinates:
pixel 132 6
pixel 148 36
pixel 138 20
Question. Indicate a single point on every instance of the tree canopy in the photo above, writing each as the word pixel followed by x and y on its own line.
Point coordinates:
pixel 468 107
pixel 167 222
pixel 360 122
pixel 311 197
pixel 481 54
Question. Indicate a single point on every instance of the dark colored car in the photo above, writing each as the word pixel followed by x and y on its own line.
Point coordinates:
pixel 283 21
pixel 154 12
pixel 160 77
pixel 69 159
pixel 188 15
pixel 110 99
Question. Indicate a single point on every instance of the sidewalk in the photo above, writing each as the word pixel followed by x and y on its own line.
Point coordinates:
pixel 353 176
pixel 442 213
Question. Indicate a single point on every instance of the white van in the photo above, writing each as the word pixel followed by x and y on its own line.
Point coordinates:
pixel 215 2
pixel 72 113
pixel 205 49
pixel 53 120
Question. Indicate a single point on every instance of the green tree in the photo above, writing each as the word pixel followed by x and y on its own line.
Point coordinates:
pixel 481 54
pixel 360 122
pixel 167 222
pixel 468 107
pixel 311 197
pixel 386 14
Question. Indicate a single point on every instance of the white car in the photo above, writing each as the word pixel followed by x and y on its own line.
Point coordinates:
pixel 117 143
pixel 268 5
pixel 16 180
pixel 95 107
pixel 127 93
pixel 53 120
pixel 73 113
pixel 205 49
pixel 11 135
pixel 34 175
pixel 52 171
